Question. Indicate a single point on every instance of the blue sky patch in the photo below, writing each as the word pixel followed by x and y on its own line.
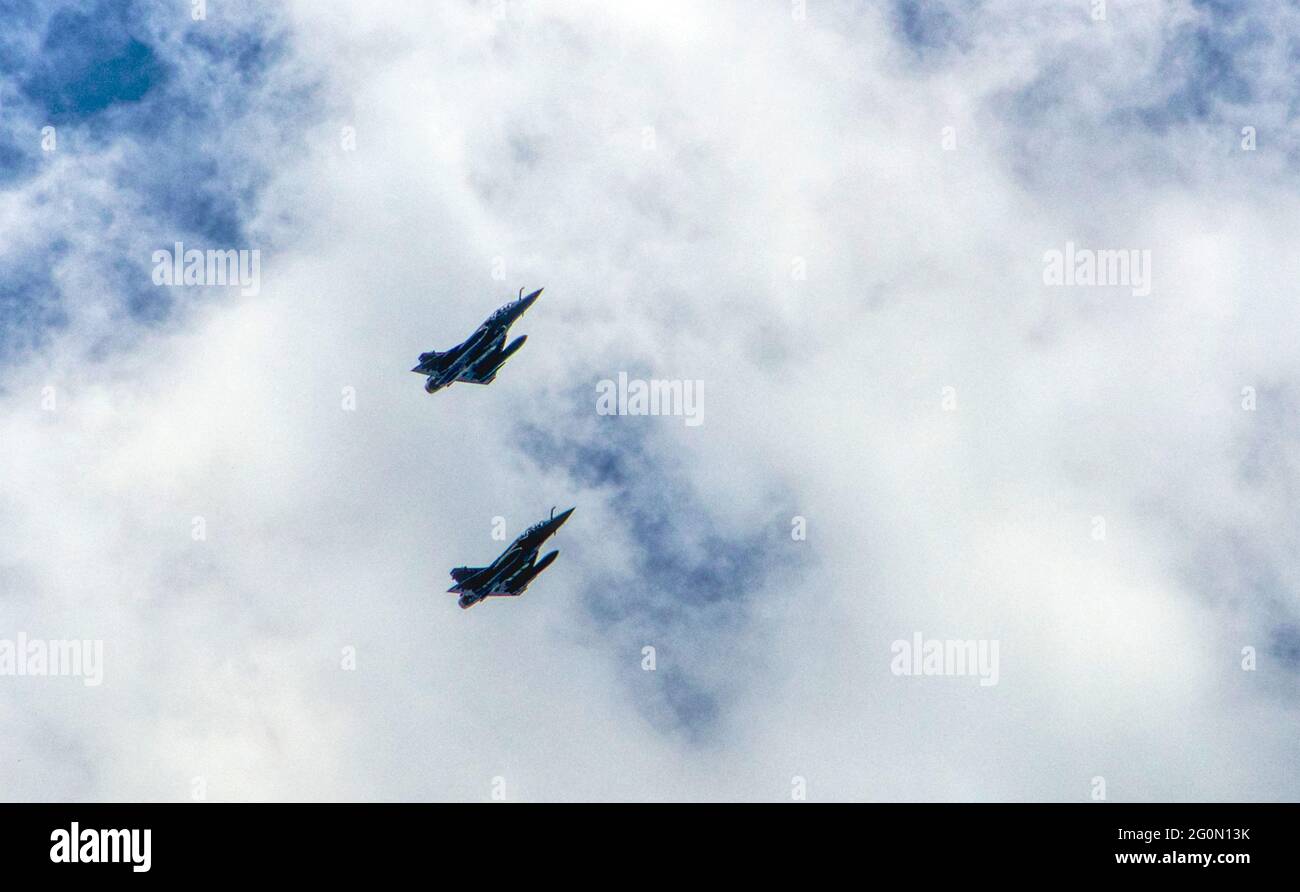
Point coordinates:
pixel 90 62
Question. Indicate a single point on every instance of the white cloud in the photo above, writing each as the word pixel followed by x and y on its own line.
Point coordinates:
pixel 522 138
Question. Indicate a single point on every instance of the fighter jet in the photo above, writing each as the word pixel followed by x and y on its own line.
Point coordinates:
pixel 478 359
pixel 510 574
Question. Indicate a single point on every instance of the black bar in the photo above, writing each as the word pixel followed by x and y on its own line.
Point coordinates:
pixel 652 843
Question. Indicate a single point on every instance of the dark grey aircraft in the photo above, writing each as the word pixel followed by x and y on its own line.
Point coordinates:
pixel 509 575
pixel 478 359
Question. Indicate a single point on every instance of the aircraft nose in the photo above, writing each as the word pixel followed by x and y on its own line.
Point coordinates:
pixel 528 301
pixel 562 517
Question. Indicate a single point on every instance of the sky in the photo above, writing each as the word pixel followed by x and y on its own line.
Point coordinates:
pixel 836 217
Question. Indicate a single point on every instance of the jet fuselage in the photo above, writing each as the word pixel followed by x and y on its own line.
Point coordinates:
pixel 509 574
pixel 478 358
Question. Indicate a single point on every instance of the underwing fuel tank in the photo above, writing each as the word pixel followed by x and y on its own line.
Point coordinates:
pixel 541 565
pixel 524 577
pixel 513 346
pixel 545 562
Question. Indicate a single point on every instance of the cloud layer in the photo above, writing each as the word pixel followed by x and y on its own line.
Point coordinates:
pixel 835 217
